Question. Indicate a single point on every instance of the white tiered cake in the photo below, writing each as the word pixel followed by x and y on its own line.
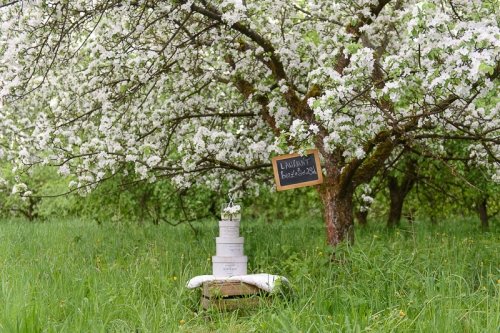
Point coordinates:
pixel 229 278
pixel 229 259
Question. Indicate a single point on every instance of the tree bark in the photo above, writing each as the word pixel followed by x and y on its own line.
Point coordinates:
pixel 482 210
pixel 338 215
pixel 399 191
pixel 395 206
pixel 362 217
pixel 143 204
pixel 30 212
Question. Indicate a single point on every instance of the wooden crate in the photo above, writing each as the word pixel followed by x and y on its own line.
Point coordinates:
pixel 229 295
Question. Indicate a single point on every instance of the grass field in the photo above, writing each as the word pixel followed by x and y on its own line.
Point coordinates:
pixel 77 276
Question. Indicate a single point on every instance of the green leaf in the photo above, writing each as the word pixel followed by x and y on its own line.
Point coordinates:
pixel 312 36
pixel 429 5
pixel 123 88
pixel 353 47
pixel 316 104
pixel 485 68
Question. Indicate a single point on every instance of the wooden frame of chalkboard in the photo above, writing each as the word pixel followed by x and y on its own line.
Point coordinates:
pixel 296 163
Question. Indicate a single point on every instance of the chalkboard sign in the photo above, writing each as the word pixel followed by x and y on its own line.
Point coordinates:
pixel 294 170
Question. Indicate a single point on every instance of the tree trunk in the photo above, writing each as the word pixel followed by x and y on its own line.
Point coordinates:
pixel 30 212
pixel 143 204
pixel 396 196
pixel 395 208
pixel 482 210
pixel 338 215
pixel 399 191
pixel 362 217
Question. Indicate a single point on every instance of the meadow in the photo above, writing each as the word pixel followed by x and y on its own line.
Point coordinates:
pixel 77 276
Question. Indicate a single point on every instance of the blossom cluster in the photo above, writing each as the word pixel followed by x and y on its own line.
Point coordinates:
pixel 232 209
pixel 207 92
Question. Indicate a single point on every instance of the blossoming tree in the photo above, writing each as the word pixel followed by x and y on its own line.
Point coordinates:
pixel 200 91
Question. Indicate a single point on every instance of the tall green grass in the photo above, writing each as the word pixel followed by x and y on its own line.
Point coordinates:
pixel 77 276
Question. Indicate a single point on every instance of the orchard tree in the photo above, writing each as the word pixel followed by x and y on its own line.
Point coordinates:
pixel 204 92
pixel 449 186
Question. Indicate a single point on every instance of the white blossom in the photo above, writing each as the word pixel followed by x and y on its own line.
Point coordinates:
pixel 118 90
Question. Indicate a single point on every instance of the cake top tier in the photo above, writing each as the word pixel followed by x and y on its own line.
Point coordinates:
pixel 233 221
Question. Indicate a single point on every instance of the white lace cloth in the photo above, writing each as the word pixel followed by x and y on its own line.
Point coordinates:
pixel 262 281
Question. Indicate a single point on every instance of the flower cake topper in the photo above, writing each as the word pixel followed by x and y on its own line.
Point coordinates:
pixel 231 211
